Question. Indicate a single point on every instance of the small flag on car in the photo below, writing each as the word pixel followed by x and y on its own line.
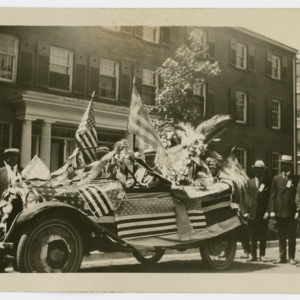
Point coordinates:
pixel 97 200
pixel 36 169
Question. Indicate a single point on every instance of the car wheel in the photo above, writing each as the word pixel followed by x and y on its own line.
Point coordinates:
pixel 147 257
pixel 54 246
pixel 219 254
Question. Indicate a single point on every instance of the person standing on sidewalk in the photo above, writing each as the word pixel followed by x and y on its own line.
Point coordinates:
pixel 282 206
pixel 256 211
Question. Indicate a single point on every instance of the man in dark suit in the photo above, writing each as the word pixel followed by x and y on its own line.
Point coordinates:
pixel 256 211
pixel 282 205
pixel 11 168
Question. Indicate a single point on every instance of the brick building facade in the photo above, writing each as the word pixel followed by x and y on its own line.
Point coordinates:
pixel 48 74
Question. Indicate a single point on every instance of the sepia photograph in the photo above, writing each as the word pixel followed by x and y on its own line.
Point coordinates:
pixel 160 144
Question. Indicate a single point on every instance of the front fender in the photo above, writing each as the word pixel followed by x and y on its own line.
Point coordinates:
pixel 45 210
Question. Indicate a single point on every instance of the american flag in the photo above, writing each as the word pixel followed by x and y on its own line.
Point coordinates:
pixel 86 134
pixel 140 124
pixel 97 200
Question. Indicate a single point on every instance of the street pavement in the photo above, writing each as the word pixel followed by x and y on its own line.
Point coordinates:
pixel 182 262
pixel 191 263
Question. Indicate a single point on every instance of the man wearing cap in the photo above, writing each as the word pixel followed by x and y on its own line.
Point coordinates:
pixel 257 210
pixel 282 205
pixel 11 168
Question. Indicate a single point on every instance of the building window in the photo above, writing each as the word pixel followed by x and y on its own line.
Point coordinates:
pixel 199 92
pixel 61 69
pixel 241 155
pixel 151 34
pixel 241 107
pixel 109 78
pixel 35 146
pixel 150 85
pixel 276 67
pixel 4 135
pixel 165 35
pixel 8 57
pixel 241 56
pixel 276 114
pixel 275 163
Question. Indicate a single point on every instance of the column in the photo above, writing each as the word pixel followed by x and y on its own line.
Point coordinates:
pixel 26 142
pixel 45 147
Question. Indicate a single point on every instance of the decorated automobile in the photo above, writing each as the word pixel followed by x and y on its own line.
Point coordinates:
pixel 49 222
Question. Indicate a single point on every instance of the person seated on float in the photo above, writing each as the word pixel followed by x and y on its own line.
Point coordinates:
pixel 143 176
pixel 213 168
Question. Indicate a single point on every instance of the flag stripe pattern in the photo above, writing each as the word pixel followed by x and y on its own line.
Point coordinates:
pixel 86 134
pixel 140 124
pixel 146 217
pixel 97 200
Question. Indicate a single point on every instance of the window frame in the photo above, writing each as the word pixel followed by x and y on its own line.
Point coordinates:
pixel 117 78
pixel 15 59
pixel 10 134
pixel 279 165
pixel 238 57
pixel 204 84
pixel 278 113
pixel 245 110
pixel 278 69
pixel 70 67
pixel 148 85
pixel 245 157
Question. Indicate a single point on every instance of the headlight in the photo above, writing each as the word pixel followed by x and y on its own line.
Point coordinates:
pixel 31 198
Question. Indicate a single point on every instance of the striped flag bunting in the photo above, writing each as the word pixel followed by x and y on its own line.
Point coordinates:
pixel 140 124
pixel 36 169
pixel 145 215
pixel 141 217
pixel 97 200
pixel 86 134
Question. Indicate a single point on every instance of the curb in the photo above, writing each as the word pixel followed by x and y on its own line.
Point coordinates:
pixel 98 256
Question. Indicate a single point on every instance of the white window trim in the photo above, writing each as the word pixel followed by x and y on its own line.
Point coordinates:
pixel 71 72
pixel 279 115
pixel 245 107
pixel 279 164
pixel 156 81
pixel 204 95
pixel 65 147
pixel 279 68
pixel 15 59
pixel 245 57
pixel 245 157
pixel 117 78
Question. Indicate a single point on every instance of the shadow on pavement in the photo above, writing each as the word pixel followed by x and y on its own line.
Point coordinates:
pixel 186 266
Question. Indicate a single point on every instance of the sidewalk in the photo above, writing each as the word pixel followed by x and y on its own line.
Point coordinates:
pixel 98 256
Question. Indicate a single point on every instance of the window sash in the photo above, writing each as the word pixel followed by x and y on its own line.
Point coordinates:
pixel 5 135
pixel 109 78
pixel 241 107
pixel 241 155
pixel 8 57
pixel 276 114
pixel 149 77
pixel 275 163
pixel 276 67
pixel 241 56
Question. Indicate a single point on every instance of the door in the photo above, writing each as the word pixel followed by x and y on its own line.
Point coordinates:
pixel 57 154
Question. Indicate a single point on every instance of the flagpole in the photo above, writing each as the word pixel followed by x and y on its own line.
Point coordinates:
pixel 127 131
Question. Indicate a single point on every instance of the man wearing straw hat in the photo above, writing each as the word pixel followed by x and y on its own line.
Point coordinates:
pixel 282 205
pixel 256 211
